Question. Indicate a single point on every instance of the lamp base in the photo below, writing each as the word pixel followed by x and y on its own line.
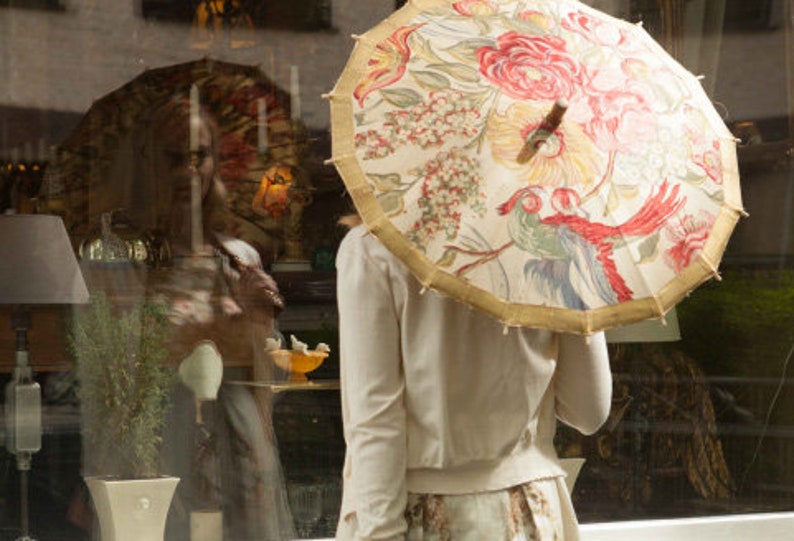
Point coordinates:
pixel 23 414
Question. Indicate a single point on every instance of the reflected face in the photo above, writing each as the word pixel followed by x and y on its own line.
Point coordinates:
pixel 168 168
pixel 174 166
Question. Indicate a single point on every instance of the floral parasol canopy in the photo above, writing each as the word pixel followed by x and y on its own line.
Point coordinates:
pixel 609 214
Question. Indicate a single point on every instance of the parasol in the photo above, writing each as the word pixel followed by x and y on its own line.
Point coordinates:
pixel 253 117
pixel 539 160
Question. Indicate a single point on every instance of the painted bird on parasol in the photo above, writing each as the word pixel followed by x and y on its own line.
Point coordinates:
pixel 576 251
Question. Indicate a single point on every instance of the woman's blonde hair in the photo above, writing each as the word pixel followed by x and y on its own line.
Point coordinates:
pixel 350 220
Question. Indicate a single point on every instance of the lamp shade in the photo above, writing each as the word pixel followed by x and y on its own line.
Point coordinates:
pixel 37 262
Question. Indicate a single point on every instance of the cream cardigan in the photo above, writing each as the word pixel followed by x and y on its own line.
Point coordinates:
pixel 437 399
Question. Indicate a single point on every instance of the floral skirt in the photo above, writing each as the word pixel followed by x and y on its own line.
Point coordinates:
pixel 534 511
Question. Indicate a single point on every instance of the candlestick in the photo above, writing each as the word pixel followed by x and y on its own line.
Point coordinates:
pixel 295 96
pixel 261 125
pixel 271 62
pixel 4 136
pixel 195 122
pixel 41 154
pixel 196 223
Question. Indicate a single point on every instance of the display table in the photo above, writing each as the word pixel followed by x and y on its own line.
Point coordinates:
pixel 284 386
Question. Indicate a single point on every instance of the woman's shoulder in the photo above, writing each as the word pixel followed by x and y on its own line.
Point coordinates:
pixel 360 242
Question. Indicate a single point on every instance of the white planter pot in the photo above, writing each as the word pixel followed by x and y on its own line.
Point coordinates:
pixel 133 509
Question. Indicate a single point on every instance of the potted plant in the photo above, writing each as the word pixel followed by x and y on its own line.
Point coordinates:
pixel 125 383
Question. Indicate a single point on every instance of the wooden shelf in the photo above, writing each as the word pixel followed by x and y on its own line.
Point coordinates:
pixel 46 340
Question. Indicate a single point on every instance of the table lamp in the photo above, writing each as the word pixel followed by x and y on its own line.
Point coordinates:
pixel 37 267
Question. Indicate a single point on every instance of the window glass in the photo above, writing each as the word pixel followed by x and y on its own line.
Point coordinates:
pixel 699 423
pixel 184 146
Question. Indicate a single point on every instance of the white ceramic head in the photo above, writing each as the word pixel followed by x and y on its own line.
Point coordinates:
pixel 202 371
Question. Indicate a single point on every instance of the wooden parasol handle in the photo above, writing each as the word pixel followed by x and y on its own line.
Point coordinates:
pixel 538 137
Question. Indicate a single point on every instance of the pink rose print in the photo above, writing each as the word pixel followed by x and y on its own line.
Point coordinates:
pixel 620 121
pixel 688 236
pixel 531 67
pixel 614 110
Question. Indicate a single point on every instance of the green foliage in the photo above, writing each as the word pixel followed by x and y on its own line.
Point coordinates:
pixel 125 382
pixel 741 326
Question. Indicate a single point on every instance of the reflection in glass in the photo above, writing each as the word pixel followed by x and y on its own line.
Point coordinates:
pixel 306 504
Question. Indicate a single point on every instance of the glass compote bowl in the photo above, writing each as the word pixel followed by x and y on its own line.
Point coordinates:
pixel 298 363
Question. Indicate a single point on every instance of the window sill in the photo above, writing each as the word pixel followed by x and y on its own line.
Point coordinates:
pixel 722 528
pixel 718 528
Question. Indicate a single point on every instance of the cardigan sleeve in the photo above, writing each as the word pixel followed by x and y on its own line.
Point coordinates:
pixel 583 382
pixel 372 387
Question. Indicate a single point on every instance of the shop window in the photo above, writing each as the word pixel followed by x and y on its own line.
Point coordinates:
pixel 701 426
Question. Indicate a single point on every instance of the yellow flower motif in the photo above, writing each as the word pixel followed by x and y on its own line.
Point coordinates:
pixel 540 19
pixel 568 158
pixel 388 63
pixel 475 8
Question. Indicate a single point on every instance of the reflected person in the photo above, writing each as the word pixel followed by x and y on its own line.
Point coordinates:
pixel 217 290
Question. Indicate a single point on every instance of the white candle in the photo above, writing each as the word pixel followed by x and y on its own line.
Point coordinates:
pixel 295 93
pixel 195 122
pixel 196 225
pixel 261 125
pixel 41 155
